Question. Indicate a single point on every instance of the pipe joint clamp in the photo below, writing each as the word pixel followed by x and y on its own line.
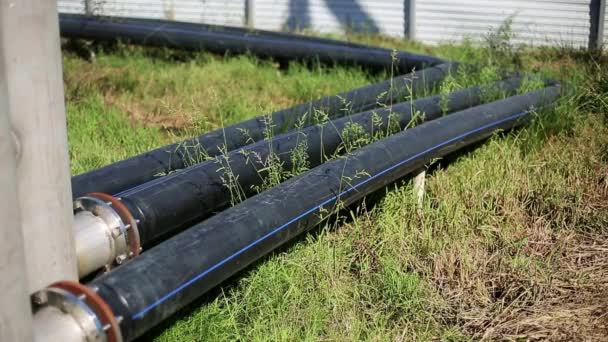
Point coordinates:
pixel 92 315
pixel 106 233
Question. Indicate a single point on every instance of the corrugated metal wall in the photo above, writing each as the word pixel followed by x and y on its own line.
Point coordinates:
pixel 70 6
pixel 380 16
pixel 227 12
pixel 539 22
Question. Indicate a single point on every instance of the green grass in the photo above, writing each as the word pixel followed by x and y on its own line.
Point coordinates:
pixel 133 100
pixel 509 244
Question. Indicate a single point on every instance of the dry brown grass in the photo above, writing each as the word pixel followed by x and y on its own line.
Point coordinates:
pixel 167 114
pixel 572 305
pixel 548 278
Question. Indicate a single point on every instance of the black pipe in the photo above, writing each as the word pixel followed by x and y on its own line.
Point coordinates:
pixel 161 281
pixel 167 204
pixel 219 39
pixel 245 32
pixel 144 167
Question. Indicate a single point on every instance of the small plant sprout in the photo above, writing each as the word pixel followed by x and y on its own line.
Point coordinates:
pixel 353 137
pixel 319 117
pixel 530 83
pixel 229 179
pixel 377 125
pixel 246 135
pixel 347 106
pixel 449 85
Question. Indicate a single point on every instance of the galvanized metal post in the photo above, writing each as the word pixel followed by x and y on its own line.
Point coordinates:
pixel 15 312
pixel 597 11
pixel 250 13
pixel 32 73
pixel 88 7
pixel 410 19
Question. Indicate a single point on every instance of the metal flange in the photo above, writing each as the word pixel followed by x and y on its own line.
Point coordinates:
pixel 106 233
pixel 94 318
pixel 126 216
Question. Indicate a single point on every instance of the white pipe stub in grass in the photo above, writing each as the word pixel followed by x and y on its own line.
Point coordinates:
pixel 419 180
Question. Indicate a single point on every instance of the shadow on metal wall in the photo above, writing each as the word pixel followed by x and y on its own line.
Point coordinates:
pixel 349 13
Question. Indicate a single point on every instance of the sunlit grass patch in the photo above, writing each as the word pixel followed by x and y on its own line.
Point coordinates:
pixel 509 242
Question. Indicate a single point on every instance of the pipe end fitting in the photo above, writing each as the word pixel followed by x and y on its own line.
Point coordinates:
pixel 78 313
pixel 111 221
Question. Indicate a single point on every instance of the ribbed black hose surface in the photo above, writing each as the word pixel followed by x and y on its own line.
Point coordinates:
pixel 139 169
pixel 166 278
pixel 181 199
pixel 223 40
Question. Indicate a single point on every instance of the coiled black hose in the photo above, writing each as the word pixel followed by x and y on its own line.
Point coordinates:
pixel 139 169
pixel 166 278
pixel 166 204
pixel 220 39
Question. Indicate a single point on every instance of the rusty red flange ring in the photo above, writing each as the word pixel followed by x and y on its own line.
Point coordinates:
pixel 96 303
pixel 125 215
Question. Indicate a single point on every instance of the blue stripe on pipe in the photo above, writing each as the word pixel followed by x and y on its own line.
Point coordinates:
pixel 329 200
